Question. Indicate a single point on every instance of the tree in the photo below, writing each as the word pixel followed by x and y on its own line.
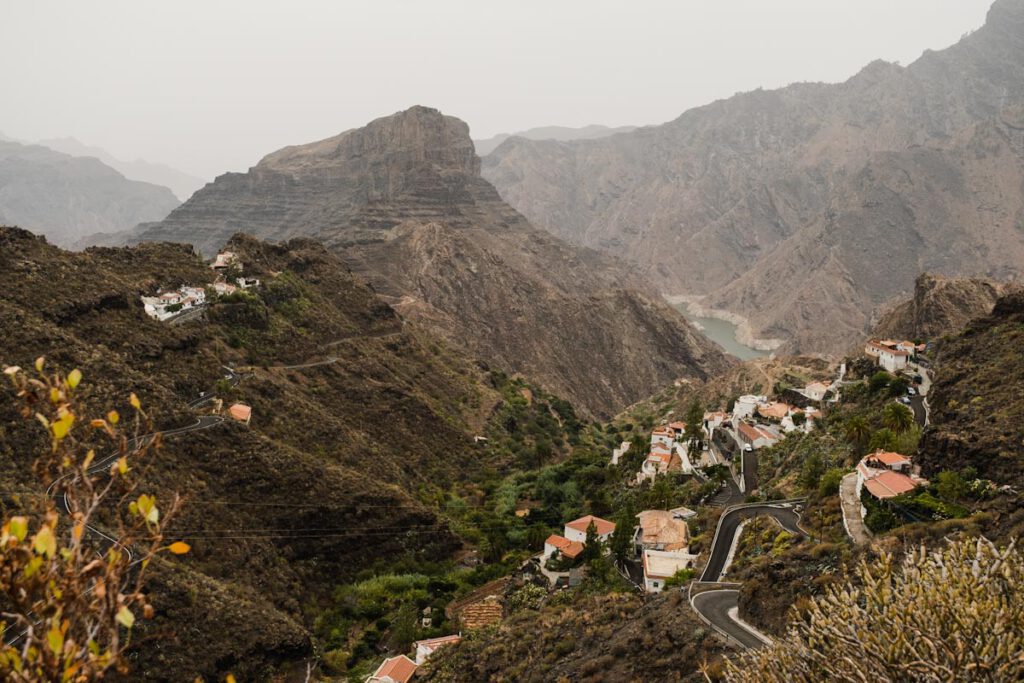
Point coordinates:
pixel 695 426
pixel 858 432
pixel 961 604
pixel 830 482
pixel 592 546
pixel 883 439
pixel 622 538
pixel 811 471
pixel 950 485
pixel 898 386
pixel 897 417
pixel 879 381
pixel 71 598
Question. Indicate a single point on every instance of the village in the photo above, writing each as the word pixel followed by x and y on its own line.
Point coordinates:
pixel 177 304
pixel 659 556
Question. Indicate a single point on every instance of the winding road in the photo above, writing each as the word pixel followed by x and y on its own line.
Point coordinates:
pixel 719 606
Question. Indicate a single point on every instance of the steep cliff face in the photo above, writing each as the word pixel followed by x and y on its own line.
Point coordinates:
pixel 806 208
pixel 940 306
pixel 66 197
pixel 977 413
pixel 403 202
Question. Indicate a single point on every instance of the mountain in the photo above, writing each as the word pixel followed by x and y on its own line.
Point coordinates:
pixel 403 202
pixel 66 197
pixel 325 482
pixel 807 208
pixel 180 183
pixel 939 306
pixel 591 132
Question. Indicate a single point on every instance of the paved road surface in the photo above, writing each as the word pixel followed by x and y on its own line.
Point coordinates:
pixel 715 606
pixel 728 525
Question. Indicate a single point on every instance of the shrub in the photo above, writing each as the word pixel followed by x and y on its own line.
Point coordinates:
pixel 968 593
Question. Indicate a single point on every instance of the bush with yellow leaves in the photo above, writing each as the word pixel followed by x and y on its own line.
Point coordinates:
pixel 953 614
pixel 72 567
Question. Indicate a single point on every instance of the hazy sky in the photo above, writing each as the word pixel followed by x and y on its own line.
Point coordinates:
pixel 214 85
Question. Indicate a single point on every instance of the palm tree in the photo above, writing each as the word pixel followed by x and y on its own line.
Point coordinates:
pixel 858 431
pixel 898 418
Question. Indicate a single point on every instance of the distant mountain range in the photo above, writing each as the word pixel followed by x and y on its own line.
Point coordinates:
pixel 806 210
pixel 403 202
pixel 180 183
pixel 591 132
pixel 67 197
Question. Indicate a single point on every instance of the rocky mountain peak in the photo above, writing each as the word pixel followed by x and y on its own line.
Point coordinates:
pixel 417 137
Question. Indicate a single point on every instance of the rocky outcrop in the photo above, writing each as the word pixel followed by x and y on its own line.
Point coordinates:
pixel 592 132
pixel 940 306
pixel 807 208
pixel 66 197
pixel 403 202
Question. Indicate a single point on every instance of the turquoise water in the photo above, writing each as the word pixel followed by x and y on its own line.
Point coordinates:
pixel 723 333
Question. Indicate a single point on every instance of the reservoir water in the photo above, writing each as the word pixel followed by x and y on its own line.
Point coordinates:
pixel 723 333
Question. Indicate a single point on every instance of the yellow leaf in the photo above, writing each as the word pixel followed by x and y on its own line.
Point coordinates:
pixel 74 377
pixel 229 679
pixel 179 547
pixel 33 566
pixel 88 459
pixel 77 531
pixel 147 508
pixel 113 417
pixel 125 617
pixel 98 423
pixel 62 426
pixel 45 543
pixel 18 527
pixel 39 363
pixel 121 465
pixel 12 370
pixel 55 638
pixel 134 400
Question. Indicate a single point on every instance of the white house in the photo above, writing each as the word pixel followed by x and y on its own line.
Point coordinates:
pixel 665 436
pixel 658 462
pixel 225 260
pixel 746 405
pixel 248 282
pixel 815 391
pixel 886 475
pixel 756 436
pixel 661 565
pixel 888 354
pixel 576 530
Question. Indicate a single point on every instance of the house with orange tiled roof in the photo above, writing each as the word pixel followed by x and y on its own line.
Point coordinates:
pixel 240 413
pixel 886 475
pixel 774 410
pixel 659 461
pixel 576 530
pixel 663 436
pixel 889 354
pixel 398 669
pixel 754 436
pixel 563 546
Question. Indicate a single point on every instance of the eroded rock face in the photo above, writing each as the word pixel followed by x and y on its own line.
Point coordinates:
pixel 403 202
pixel 940 306
pixel 804 209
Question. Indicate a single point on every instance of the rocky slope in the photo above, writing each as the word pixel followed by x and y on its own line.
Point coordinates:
pixel 403 202
pixel 976 410
pixel 804 209
pixel 592 132
pixel 66 197
pixel 939 306
pixel 320 486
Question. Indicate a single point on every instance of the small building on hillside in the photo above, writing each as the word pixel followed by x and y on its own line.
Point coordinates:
pixel 886 475
pixel 398 669
pixel 746 405
pixel 248 282
pixel 659 566
pixel 224 288
pixel 663 436
pixel 678 428
pixel 890 355
pixel 561 545
pixel 773 410
pixel 815 391
pixel 756 436
pixel 659 462
pixel 425 648
pixel 225 260
pixel 576 530
pixel 240 413
pixel 662 530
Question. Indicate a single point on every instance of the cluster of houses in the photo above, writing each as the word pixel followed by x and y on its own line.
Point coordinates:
pixel 661 540
pixel 891 355
pixel 885 475
pixel 167 304
pixel 401 669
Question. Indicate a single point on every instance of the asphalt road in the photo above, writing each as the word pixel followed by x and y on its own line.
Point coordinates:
pixel 728 525
pixel 715 606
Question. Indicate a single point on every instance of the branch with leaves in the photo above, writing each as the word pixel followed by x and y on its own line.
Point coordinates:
pixel 72 569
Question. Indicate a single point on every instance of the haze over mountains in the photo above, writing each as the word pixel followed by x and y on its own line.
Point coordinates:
pixel 403 202
pixel 591 132
pixel 806 209
pixel 180 183
pixel 67 197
